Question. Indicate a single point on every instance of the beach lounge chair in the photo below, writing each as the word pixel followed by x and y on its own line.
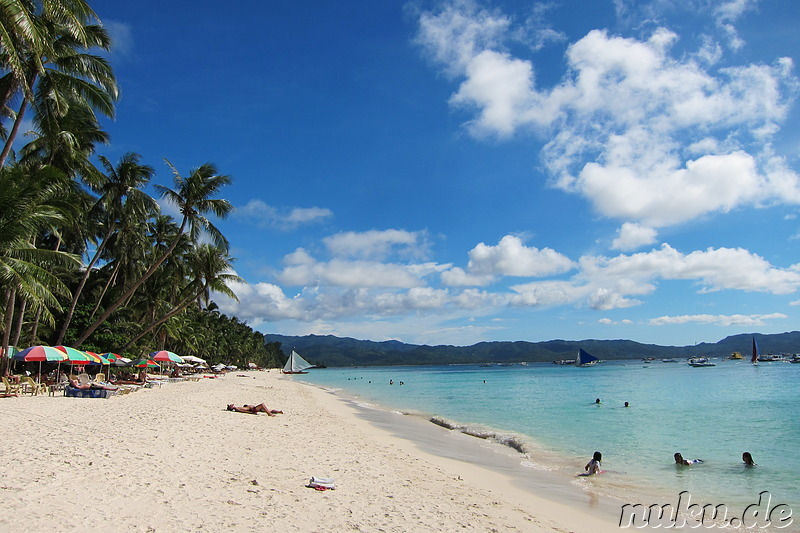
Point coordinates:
pixel 100 377
pixel 83 379
pixel 31 386
pixel 11 389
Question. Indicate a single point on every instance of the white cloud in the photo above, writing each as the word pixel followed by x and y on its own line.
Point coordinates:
pixel 678 139
pixel 632 236
pixel 377 244
pixel 715 268
pixel 456 276
pixel 287 218
pixel 511 258
pixel 717 320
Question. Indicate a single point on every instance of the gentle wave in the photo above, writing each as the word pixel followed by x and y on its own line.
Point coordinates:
pixel 513 441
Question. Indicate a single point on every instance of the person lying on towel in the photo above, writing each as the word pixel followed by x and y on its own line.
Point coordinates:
pixel 254 409
pixel 97 386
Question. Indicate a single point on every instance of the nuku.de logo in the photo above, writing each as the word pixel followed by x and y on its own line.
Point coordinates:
pixel 755 516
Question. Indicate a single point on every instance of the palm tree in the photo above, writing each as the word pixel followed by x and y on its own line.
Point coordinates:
pixel 27 206
pixel 62 74
pixel 121 189
pixel 193 195
pixel 211 271
pixel 21 34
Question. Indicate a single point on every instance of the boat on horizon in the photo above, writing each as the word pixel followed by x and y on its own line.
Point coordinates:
pixel 296 365
pixel 736 355
pixel 585 358
pixel 700 361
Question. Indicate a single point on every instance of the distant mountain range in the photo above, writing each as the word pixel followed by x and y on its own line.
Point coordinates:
pixel 337 351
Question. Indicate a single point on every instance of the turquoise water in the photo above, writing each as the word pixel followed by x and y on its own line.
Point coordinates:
pixel 713 413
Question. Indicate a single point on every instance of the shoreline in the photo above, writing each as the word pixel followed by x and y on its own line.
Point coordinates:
pixel 603 498
pixel 173 459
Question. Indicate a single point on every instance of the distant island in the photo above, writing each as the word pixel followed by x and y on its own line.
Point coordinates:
pixel 328 350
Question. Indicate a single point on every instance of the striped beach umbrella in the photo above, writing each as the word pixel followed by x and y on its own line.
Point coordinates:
pixel 41 354
pixel 144 363
pixel 77 357
pixel 110 357
pixel 163 356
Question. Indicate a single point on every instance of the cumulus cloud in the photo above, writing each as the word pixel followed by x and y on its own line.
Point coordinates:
pixel 510 257
pixel 262 214
pixel 679 138
pixel 632 236
pixel 715 269
pixel 377 244
pixel 717 320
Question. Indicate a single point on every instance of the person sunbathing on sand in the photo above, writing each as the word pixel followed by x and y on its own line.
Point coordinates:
pixel 254 409
pixel 97 386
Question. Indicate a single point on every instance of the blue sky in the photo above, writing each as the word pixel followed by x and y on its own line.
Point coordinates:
pixel 456 172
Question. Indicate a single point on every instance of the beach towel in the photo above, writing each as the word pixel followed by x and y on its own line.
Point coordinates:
pixel 321 483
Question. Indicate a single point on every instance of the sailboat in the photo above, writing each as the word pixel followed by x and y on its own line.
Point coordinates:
pixel 296 364
pixel 585 358
pixel 754 359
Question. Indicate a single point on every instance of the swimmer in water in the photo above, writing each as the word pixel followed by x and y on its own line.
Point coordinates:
pixel 679 460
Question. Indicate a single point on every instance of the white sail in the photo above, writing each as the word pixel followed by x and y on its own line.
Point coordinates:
pixel 296 363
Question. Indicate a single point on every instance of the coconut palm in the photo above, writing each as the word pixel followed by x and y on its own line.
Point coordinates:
pixel 21 34
pixel 121 196
pixel 211 270
pixel 27 206
pixel 62 74
pixel 194 197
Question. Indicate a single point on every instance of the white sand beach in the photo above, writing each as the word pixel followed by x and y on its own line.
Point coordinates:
pixel 172 458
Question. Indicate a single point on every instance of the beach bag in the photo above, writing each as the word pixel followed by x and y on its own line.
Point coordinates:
pixel 321 483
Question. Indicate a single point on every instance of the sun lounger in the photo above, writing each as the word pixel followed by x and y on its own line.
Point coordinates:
pixel 11 389
pixel 28 385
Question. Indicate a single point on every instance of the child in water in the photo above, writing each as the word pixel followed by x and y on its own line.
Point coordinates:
pixel 593 466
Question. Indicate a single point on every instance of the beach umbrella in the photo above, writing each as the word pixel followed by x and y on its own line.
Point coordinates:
pixel 40 353
pixel 111 357
pixel 164 356
pixel 144 363
pixel 77 357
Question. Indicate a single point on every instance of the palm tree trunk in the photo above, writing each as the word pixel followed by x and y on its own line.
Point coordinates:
pixel 81 285
pixel 150 271
pixel 35 328
pixel 15 128
pixel 18 326
pixel 10 297
pixel 109 283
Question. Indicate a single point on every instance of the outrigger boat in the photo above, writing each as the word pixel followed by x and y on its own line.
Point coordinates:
pixel 585 358
pixel 296 364
pixel 700 361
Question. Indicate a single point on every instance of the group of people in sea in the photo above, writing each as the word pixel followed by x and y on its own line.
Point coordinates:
pixel 593 466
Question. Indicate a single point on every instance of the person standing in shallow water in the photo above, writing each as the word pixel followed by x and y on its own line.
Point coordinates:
pixel 748 459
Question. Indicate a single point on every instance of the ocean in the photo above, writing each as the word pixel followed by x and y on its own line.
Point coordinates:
pixel 547 420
